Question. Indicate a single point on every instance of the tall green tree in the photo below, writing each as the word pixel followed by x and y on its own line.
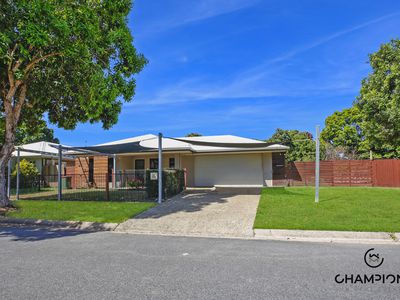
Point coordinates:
pixel 301 143
pixel 28 133
pixel 32 132
pixel 379 101
pixel 71 59
pixel 344 134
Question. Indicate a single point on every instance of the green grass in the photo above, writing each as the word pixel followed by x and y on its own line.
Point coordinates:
pixel 113 212
pixel 340 208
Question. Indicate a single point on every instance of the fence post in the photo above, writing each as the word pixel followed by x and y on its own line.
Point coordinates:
pixel 115 170
pixel 107 189
pixel 317 165
pixel 59 195
pixel 18 171
pixel 9 179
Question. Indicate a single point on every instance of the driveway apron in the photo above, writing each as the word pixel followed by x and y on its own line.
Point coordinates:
pixel 208 214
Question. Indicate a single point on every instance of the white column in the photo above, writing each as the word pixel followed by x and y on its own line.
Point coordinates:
pixel 59 172
pixel 160 167
pixel 9 178
pixel 114 170
pixel 18 171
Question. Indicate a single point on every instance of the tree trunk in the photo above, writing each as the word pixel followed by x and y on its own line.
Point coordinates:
pixel 4 200
pixel 11 120
pixel 13 96
pixel 5 156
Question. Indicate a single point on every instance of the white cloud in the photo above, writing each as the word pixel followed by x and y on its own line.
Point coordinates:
pixel 319 42
pixel 194 11
pixel 270 78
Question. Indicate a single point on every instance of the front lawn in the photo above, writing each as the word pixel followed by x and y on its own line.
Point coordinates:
pixel 340 208
pixel 112 212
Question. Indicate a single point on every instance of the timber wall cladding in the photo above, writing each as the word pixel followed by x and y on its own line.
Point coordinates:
pixel 384 173
pixel 80 172
pixel 100 164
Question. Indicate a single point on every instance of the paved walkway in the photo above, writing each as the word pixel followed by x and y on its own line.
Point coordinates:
pixel 202 214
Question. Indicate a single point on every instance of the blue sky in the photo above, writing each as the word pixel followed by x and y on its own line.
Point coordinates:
pixel 245 67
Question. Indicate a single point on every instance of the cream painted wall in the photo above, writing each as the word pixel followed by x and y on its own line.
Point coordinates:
pixel 188 164
pixel 228 169
pixel 128 162
pixel 267 168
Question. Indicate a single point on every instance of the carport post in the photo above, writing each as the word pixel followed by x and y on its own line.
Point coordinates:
pixel 18 171
pixel 114 169
pixel 317 165
pixel 9 178
pixel 160 167
pixel 59 172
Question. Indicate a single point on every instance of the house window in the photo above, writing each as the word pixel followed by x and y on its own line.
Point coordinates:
pixel 139 164
pixel 171 163
pixel 153 163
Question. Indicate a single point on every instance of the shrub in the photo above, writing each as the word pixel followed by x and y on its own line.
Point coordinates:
pixel 173 183
pixel 135 183
pixel 29 175
pixel 26 168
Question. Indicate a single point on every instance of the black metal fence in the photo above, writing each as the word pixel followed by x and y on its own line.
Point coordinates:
pixel 120 186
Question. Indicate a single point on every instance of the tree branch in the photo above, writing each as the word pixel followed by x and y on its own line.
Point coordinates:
pixel 12 55
pixel 18 106
pixel 32 64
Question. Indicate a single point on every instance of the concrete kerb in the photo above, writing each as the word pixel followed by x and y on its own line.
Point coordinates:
pixel 259 234
pixel 85 226
pixel 328 236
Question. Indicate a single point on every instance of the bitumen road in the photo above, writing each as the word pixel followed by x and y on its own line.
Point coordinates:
pixel 37 263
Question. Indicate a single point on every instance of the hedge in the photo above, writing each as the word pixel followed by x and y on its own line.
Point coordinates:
pixel 173 183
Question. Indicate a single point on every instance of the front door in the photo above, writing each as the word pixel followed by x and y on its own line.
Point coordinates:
pixel 139 169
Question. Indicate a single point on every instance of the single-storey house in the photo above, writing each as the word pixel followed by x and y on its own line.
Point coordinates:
pixel 44 155
pixel 220 160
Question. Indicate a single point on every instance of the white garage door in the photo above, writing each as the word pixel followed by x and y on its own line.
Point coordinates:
pixel 231 169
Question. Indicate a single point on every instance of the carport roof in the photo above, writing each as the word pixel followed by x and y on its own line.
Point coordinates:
pixel 220 143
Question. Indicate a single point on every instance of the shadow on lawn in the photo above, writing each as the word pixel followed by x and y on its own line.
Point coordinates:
pixel 34 234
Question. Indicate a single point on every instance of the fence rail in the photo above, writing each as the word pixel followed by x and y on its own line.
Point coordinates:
pixel 384 173
pixel 120 186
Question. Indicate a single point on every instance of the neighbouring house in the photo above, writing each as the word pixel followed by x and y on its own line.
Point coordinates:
pixel 221 160
pixel 45 158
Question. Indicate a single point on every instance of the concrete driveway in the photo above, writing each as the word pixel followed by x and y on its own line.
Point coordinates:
pixel 208 214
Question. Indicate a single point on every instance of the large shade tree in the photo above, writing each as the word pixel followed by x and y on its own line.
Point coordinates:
pixel 344 136
pixel 31 132
pixel 71 59
pixel 301 144
pixel 379 101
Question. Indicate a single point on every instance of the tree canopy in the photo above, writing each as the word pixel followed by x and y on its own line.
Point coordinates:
pixel 379 101
pixel 343 135
pixel 373 122
pixel 80 51
pixel 26 133
pixel 71 59
pixel 302 146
